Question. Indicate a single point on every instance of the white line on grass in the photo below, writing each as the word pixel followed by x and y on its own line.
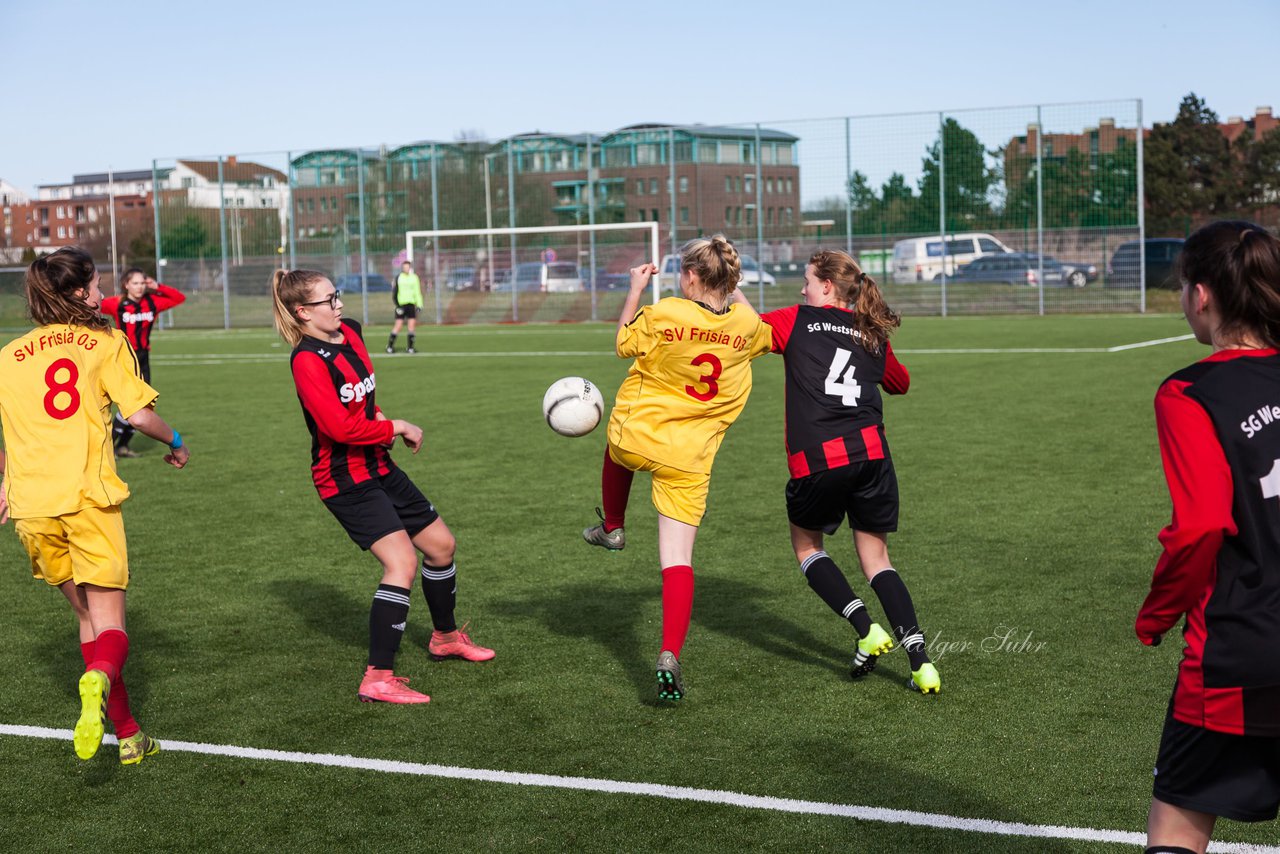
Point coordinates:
pixel 256 358
pixel 655 790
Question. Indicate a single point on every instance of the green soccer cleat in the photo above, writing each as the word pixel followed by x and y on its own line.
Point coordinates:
pixel 875 644
pixel 596 535
pixel 925 680
pixel 137 747
pixel 94 688
pixel 670 685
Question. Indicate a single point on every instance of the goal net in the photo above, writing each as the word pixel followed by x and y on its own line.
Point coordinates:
pixel 532 274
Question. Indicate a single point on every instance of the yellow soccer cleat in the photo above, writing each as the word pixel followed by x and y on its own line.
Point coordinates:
pixel 137 747
pixel 94 688
pixel 875 644
pixel 925 680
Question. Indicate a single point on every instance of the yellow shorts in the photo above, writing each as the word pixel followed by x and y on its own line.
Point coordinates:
pixel 87 547
pixel 678 494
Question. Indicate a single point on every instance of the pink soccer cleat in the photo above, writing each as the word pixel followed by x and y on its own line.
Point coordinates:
pixel 383 686
pixel 457 645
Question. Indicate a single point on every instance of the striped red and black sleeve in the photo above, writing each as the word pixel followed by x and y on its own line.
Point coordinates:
pixel 1200 486
pixel 335 420
pixel 781 321
pixel 166 297
pixel 896 380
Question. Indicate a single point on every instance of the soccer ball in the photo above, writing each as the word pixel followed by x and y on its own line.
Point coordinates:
pixel 573 406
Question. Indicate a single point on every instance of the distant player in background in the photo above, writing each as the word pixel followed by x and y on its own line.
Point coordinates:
pixel 836 347
pixel 689 382
pixel 135 313
pixel 57 385
pixel 406 293
pixel 1220 750
pixel 378 506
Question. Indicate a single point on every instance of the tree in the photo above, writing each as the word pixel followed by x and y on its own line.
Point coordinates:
pixel 185 239
pixel 1190 172
pixel 1260 176
pixel 141 253
pixel 959 155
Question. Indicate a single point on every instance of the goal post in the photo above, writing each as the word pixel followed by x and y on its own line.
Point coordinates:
pixel 467 259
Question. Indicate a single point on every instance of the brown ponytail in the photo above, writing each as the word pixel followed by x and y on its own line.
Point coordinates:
pixel 54 283
pixel 873 320
pixel 290 289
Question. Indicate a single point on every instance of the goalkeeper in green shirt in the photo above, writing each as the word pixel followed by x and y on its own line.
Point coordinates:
pixel 407 295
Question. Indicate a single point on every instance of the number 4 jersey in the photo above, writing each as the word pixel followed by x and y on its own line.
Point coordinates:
pixel 57 384
pixel 1218 422
pixel 834 411
pixel 690 380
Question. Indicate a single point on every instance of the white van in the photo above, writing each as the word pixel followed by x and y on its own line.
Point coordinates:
pixel 919 259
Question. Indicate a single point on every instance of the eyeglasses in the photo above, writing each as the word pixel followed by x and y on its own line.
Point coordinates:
pixel 332 300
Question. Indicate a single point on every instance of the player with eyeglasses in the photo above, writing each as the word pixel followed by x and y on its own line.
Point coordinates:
pixel 376 503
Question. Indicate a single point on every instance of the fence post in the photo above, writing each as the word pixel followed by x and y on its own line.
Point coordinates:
pixel 848 202
pixel 222 229
pixel 364 249
pixel 435 226
pixel 1142 223
pixel 155 213
pixel 293 218
pixel 760 217
pixel 671 177
pixel 1040 204
pixel 942 202
pixel 511 223
pixel 591 220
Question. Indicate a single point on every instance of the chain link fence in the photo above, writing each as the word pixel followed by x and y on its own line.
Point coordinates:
pixel 1018 209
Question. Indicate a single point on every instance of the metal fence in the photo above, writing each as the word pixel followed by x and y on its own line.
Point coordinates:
pixel 1043 195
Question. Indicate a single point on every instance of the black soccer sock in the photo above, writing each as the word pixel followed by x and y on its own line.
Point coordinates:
pixel 391 341
pixel 387 618
pixel 901 612
pixel 411 338
pixel 1168 849
pixel 121 431
pixel 826 579
pixel 440 586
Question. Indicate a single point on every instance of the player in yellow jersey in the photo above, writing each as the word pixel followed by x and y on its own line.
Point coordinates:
pixel 689 382
pixel 57 385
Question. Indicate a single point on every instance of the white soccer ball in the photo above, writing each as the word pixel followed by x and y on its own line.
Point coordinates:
pixel 573 406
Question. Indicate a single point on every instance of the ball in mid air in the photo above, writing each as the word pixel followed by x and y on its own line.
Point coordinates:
pixel 573 406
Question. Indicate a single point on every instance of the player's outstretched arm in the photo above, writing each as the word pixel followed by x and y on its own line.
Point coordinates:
pixel 640 277
pixel 412 434
pixel 148 423
pixel 741 299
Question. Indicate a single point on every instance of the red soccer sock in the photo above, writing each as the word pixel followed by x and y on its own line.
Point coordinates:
pixel 117 701
pixel 677 606
pixel 615 490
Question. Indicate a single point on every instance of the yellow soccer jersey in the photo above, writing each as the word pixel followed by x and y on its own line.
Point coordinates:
pixel 57 384
pixel 690 380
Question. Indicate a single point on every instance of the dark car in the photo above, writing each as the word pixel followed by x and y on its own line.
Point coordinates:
pixel 349 283
pixel 1010 268
pixel 1078 274
pixel 1124 269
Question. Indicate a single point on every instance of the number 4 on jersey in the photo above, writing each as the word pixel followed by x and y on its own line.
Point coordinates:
pixel 840 381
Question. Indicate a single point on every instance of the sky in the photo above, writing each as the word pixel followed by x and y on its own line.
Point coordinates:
pixel 93 85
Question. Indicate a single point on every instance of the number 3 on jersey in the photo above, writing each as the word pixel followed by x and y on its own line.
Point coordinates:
pixel 840 381
pixel 66 387
pixel 707 379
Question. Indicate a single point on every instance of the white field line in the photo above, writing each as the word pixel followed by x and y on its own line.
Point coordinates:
pixel 255 358
pixel 655 790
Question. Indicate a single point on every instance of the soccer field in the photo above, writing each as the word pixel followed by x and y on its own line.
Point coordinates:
pixel 1031 497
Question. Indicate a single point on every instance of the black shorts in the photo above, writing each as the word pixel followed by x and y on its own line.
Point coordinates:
pixel 406 312
pixel 866 492
pixel 1234 776
pixel 144 364
pixel 371 510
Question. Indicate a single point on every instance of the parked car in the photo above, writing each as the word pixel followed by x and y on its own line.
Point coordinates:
pixel 1079 275
pixel 556 277
pixel 461 279
pixel 920 259
pixel 1124 270
pixel 752 275
pixel 349 283
pixel 1010 268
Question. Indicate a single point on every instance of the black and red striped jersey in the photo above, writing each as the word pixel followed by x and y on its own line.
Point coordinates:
pixel 336 385
pixel 834 412
pixel 1218 423
pixel 136 317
